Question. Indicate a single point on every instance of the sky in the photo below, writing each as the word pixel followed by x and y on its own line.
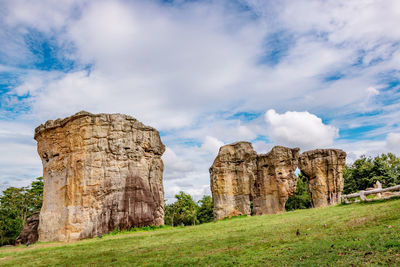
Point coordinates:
pixel 305 73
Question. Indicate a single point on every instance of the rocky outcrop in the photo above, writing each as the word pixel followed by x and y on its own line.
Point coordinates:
pixel 276 180
pixel 324 171
pixel 239 176
pixel 232 175
pixel 29 234
pixel 101 172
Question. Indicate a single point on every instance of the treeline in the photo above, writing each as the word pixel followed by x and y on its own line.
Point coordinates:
pixel 364 173
pixel 17 204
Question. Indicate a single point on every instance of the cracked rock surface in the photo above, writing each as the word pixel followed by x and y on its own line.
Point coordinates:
pixel 276 180
pixel 324 171
pixel 239 176
pixel 232 174
pixel 100 172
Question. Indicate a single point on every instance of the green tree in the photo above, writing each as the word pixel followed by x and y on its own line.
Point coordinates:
pixel 182 211
pixel 169 214
pixel 35 195
pixel 16 205
pixel 364 172
pixel 301 199
pixel 205 211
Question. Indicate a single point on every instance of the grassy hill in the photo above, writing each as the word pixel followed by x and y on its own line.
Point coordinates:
pixel 358 234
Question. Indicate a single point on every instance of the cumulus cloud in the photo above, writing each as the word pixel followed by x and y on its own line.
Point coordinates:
pixel 187 68
pixel 299 129
pixel 212 145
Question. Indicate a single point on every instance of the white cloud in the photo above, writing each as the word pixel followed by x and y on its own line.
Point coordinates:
pixel 393 143
pixel 179 67
pixel 175 167
pixel 372 91
pixel 299 129
pixel 211 145
pixel 19 164
pixel 261 147
pixel 369 148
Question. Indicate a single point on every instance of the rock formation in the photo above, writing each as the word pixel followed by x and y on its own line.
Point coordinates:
pixel 239 176
pixel 101 172
pixel 276 180
pixel 30 231
pixel 324 171
pixel 232 174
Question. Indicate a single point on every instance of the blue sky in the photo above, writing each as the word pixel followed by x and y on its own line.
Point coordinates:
pixel 306 73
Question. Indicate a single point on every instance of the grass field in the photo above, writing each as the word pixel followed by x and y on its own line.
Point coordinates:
pixel 345 235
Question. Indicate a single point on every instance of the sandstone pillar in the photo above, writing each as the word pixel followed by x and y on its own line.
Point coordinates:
pixel 232 174
pixel 324 171
pixel 276 180
pixel 101 172
pixel 239 176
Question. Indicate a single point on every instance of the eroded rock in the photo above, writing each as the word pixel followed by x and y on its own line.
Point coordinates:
pixel 239 176
pixel 276 180
pixel 231 176
pixel 30 231
pixel 100 172
pixel 324 171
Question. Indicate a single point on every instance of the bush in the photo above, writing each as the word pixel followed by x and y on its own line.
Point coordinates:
pixel 301 199
pixel 185 211
pixel 16 205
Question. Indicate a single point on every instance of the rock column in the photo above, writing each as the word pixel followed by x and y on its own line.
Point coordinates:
pixel 239 176
pixel 232 174
pixel 324 171
pixel 100 172
pixel 276 180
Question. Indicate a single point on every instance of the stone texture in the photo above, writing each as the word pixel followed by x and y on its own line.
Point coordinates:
pixel 30 231
pixel 101 172
pixel 276 180
pixel 324 171
pixel 231 176
pixel 239 176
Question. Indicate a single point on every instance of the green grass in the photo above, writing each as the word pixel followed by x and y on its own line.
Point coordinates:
pixel 345 235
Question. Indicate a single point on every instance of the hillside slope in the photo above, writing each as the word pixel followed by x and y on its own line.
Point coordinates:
pixel 358 234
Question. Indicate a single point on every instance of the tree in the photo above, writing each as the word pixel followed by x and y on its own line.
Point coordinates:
pixel 182 211
pixel 301 199
pixel 364 172
pixel 169 214
pixel 205 211
pixel 16 205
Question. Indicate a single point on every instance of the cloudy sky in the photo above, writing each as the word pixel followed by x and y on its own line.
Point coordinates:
pixel 304 73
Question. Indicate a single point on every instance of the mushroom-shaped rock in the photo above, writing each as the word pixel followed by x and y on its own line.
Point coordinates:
pixel 324 171
pixel 100 172
pixel 276 180
pixel 231 177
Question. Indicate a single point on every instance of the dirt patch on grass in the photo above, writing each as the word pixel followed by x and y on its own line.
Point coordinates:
pixel 357 222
